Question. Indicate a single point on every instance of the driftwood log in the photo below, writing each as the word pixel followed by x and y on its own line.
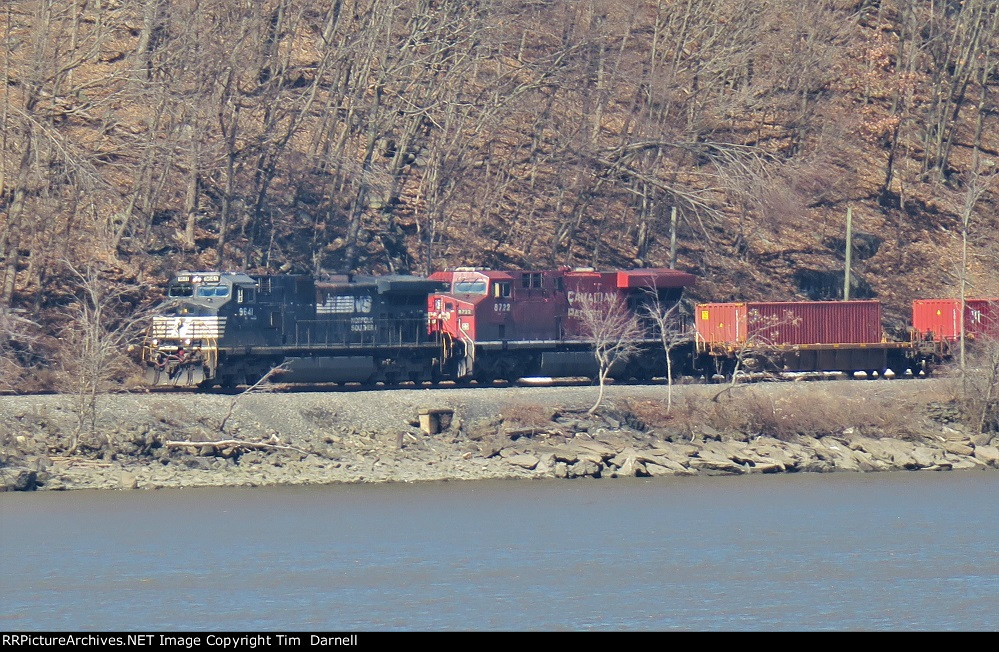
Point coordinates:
pixel 231 443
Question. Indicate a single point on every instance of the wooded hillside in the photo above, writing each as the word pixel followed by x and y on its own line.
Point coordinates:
pixel 144 136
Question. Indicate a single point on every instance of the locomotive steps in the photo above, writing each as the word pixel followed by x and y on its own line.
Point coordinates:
pixel 175 440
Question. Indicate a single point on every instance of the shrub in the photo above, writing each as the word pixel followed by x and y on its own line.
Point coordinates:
pixel 528 415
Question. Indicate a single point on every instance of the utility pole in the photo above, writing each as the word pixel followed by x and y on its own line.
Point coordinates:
pixel 965 222
pixel 849 252
pixel 672 238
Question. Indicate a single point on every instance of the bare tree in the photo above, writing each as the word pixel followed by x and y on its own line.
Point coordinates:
pixel 613 331
pixel 979 398
pixel 759 346
pixel 973 194
pixel 957 46
pixel 92 355
pixel 762 336
pixel 18 338
pixel 672 329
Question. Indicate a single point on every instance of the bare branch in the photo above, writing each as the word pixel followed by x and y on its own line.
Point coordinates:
pixel 672 329
pixel 612 329
pixel 94 341
pixel 258 387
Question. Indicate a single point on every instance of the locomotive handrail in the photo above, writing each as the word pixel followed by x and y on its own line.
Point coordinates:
pixel 469 350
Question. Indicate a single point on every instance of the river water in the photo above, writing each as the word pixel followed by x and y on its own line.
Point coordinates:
pixel 880 551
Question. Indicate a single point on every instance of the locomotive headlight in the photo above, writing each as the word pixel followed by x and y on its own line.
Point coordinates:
pixel 187 342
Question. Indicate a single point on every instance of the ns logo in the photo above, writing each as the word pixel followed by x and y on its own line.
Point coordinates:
pixel 362 304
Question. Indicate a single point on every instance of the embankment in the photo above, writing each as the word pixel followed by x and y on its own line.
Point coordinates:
pixel 148 441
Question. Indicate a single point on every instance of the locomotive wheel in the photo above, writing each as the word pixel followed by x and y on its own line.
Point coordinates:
pixel 227 382
pixel 644 374
pixel 484 377
pixel 509 368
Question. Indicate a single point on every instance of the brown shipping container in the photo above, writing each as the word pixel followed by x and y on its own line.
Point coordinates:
pixel 792 323
pixel 939 319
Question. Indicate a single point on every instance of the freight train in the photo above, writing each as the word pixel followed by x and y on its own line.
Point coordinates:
pixel 474 324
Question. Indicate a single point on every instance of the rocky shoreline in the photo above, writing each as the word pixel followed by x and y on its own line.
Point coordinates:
pixel 148 441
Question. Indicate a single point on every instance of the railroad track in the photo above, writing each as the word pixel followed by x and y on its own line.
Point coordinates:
pixel 294 388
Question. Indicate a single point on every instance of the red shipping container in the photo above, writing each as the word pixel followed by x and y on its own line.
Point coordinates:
pixel 791 323
pixel 721 323
pixel 940 319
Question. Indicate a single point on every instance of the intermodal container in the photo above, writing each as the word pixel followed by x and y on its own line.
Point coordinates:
pixel 940 319
pixel 721 323
pixel 790 323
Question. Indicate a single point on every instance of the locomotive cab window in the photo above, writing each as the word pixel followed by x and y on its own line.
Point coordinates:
pixel 531 280
pixel 213 291
pixel 181 290
pixel 244 295
pixel 501 289
pixel 470 287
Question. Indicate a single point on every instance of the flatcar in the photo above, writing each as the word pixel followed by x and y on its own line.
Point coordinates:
pixel 801 336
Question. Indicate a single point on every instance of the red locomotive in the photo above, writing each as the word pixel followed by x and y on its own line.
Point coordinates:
pixel 512 324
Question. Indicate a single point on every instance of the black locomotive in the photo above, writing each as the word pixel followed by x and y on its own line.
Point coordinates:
pixel 231 328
